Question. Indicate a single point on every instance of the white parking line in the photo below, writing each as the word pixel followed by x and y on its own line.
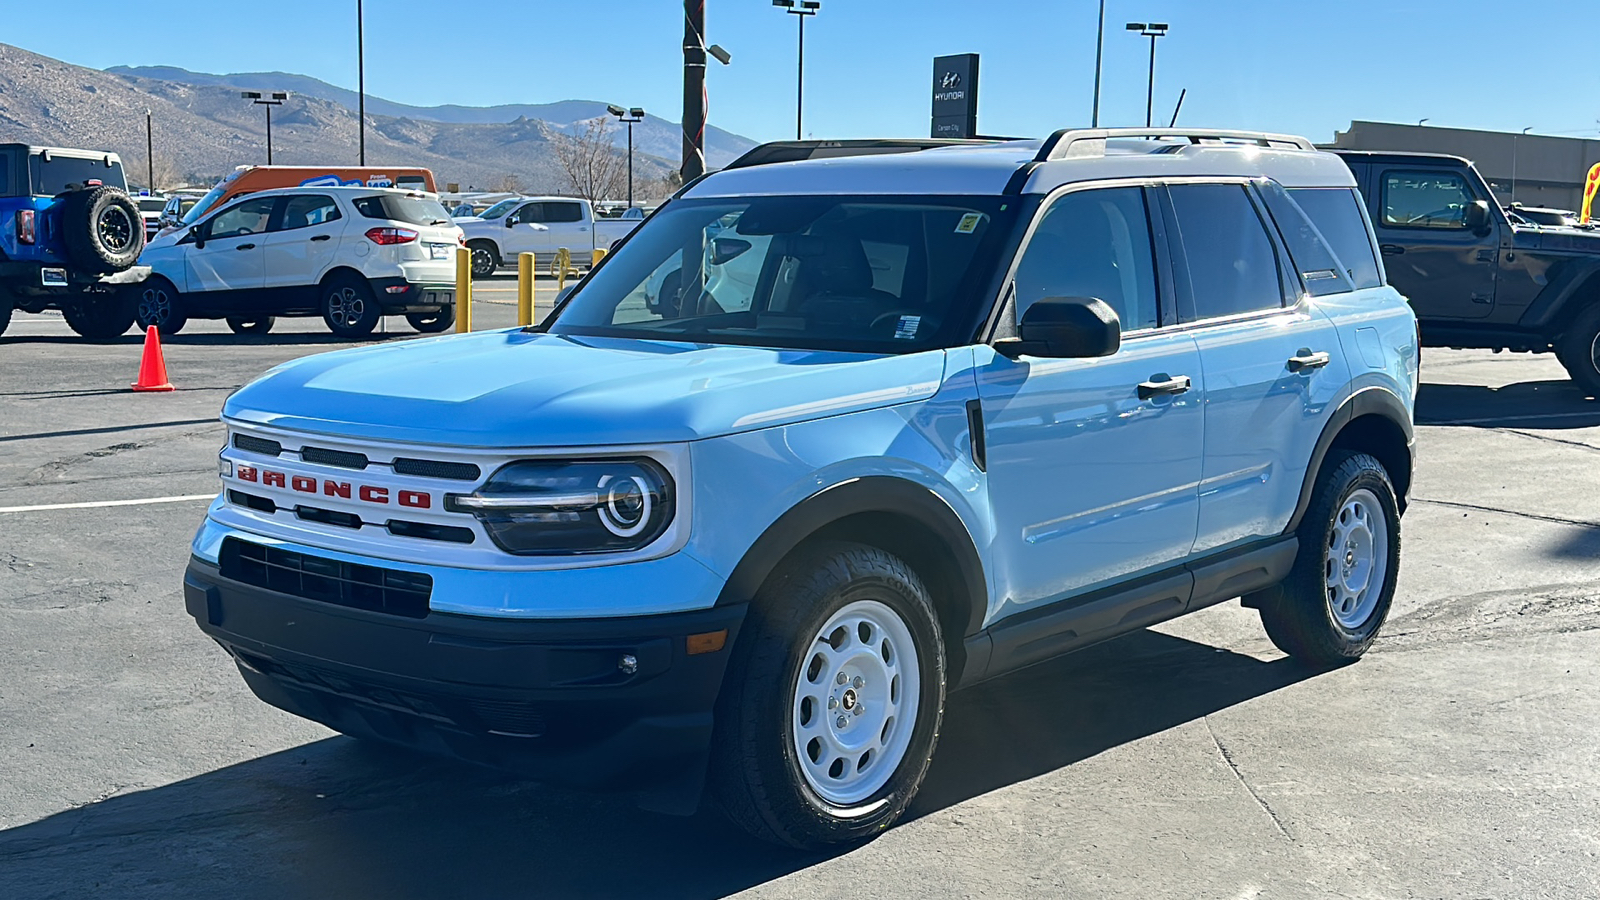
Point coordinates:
pixel 97 504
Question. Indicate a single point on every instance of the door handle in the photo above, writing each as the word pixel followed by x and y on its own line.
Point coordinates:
pixel 322 237
pixel 1482 298
pixel 1174 385
pixel 1304 359
pixel 1391 249
pixel 1486 256
pixel 245 247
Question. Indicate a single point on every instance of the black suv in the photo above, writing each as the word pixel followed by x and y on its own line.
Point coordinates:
pixel 1475 276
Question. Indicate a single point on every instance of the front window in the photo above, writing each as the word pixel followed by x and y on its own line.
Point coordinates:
pixel 870 274
pixel 1425 200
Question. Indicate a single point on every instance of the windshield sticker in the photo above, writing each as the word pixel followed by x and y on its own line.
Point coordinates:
pixel 907 328
pixel 969 223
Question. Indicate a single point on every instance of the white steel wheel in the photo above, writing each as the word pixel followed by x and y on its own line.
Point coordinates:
pixel 1357 559
pixel 855 702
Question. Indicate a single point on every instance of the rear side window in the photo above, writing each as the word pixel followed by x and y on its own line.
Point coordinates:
pixel 1337 214
pixel 1093 244
pixel 306 211
pixel 1425 200
pixel 1232 265
pixel 411 209
pixel 64 173
pixel 1319 270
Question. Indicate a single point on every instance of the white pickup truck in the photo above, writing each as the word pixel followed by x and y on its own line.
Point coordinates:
pixel 542 226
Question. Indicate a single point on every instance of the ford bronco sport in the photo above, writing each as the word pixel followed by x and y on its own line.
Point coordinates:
pixel 963 408
pixel 69 237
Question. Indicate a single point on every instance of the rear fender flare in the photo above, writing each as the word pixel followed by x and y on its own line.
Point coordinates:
pixel 1369 401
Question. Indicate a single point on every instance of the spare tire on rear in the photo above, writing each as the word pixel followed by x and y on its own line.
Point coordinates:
pixel 102 229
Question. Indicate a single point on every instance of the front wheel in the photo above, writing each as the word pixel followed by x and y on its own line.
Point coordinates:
pixel 157 303
pixel 1339 591
pixel 349 307
pixel 831 708
pixel 433 323
pixel 1579 351
pixel 240 325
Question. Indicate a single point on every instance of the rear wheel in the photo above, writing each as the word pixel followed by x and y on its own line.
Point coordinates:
pixel 5 310
pixel 100 318
pixel 240 325
pixel 1339 591
pixel 433 323
pixel 485 258
pixel 831 708
pixel 1579 351
pixel 349 307
pixel 157 303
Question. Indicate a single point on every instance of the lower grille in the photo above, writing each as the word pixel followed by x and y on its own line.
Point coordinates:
pixel 327 580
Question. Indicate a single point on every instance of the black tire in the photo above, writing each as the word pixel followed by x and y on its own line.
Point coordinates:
pixel 102 317
pixel 258 325
pixel 349 307
pixel 1300 615
pixel 5 310
pixel 485 258
pixel 756 772
pixel 157 302
pixel 433 323
pixel 101 229
pixel 1579 351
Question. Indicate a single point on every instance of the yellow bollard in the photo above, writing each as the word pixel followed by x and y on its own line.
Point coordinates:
pixel 563 263
pixel 463 290
pixel 525 289
pixel 599 254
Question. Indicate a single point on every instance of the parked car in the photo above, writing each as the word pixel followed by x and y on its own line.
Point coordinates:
pixel 982 406
pixel 248 179
pixel 150 207
pixel 69 237
pixel 541 226
pixel 1475 277
pixel 177 205
pixel 348 254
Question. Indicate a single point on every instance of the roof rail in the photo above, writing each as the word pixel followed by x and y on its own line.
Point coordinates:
pixel 792 151
pixel 1071 142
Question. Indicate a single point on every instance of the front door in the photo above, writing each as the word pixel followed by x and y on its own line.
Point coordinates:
pixel 1445 269
pixel 231 267
pixel 526 232
pixel 1093 463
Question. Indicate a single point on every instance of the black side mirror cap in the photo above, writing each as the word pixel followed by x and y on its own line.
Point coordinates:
pixel 1065 328
pixel 511 221
pixel 1477 216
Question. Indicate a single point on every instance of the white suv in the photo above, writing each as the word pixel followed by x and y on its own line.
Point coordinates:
pixel 349 254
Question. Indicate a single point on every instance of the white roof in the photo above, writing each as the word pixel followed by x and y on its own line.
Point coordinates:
pixel 986 169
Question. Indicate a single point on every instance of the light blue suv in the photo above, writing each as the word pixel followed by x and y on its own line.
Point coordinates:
pixel 839 429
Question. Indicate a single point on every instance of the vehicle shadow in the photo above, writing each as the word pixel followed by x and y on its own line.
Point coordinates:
pixel 1533 404
pixel 336 818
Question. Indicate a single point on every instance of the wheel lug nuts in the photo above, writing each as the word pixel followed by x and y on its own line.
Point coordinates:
pixel 844 722
pixel 858 709
pixel 858 682
pixel 841 679
pixel 833 702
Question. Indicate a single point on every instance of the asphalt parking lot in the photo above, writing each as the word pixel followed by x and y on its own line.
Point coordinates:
pixel 1458 760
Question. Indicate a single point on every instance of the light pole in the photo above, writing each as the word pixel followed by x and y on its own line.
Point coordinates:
pixel 1514 163
pixel 801 8
pixel 628 117
pixel 276 98
pixel 361 86
pixel 1099 49
pixel 1151 30
pixel 149 153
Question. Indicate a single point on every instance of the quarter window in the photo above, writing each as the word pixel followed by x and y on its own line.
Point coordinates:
pixel 1425 200
pixel 1232 265
pixel 1337 214
pixel 309 210
pixel 1093 244
pixel 1319 270
pixel 249 217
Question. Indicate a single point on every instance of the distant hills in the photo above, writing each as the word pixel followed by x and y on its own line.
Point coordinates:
pixel 202 129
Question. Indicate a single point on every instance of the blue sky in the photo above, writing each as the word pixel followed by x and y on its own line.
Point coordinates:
pixel 1286 65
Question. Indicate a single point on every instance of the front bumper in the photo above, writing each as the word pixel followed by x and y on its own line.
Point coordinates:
pixel 542 699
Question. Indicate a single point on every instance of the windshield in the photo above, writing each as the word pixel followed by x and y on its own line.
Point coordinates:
pixel 500 209
pixel 203 204
pixel 871 274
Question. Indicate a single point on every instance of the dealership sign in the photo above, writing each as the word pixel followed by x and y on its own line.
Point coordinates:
pixel 955 96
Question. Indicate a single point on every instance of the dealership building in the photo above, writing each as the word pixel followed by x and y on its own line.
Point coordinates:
pixel 1531 169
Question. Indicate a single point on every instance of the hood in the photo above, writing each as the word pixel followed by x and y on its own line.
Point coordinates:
pixel 514 389
pixel 1557 237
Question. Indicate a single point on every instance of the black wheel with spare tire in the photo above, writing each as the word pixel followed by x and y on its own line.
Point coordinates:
pixel 1579 351
pixel 101 229
pixel 832 703
pixel 349 307
pixel 1338 593
pixel 156 302
pixel 258 325
pixel 100 317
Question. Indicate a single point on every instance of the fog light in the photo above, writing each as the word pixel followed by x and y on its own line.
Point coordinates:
pixel 628 664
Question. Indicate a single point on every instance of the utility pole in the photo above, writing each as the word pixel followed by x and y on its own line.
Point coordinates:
pixel 694 90
pixel 361 84
pixel 1099 50
pixel 149 153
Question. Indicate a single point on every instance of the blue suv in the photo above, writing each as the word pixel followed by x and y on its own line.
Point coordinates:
pixel 69 238
pixel 903 418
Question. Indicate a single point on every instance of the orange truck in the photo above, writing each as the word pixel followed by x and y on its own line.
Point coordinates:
pixel 249 179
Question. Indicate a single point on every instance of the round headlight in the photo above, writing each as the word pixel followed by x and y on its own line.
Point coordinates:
pixel 627 505
pixel 562 507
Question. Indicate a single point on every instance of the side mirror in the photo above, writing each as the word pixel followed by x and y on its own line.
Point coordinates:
pixel 562 296
pixel 1065 328
pixel 1478 216
pixel 511 221
pixel 199 235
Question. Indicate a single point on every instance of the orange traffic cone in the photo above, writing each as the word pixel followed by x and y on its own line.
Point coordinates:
pixel 152 367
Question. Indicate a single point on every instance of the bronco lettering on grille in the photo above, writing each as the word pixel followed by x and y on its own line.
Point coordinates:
pixel 305 484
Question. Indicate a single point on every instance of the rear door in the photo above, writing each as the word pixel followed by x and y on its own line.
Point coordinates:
pixel 302 246
pixel 569 227
pixel 231 267
pixel 1446 270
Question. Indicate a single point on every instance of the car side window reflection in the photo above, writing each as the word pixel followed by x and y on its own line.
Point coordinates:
pixel 249 217
pixel 1425 200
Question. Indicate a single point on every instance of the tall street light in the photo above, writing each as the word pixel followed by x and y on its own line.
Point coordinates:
pixel 361 85
pixel 802 8
pixel 1099 49
pixel 1151 30
pixel 628 117
pixel 149 153
pixel 276 98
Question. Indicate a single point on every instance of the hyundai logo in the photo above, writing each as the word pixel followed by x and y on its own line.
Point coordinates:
pixel 950 80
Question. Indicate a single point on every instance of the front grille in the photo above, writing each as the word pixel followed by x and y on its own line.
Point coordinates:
pixel 509 717
pixel 431 532
pixel 328 516
pixel 340 458
pixel 327 580
pixel 251 444
pixel 433 468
